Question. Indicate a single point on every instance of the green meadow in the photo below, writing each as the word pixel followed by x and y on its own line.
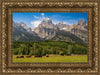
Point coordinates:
pixel 49 51
pixel 73 59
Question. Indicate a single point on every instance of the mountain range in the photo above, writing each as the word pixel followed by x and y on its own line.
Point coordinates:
pixel 47 30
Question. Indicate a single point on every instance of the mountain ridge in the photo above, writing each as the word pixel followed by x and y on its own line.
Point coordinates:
pixel 47 30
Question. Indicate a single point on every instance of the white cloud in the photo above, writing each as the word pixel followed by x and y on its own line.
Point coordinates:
pixel 42 14
pixel 68 23
pixel 37 17
pixel 64 22
pixel 55 21
pixel 72 21
pixel 35 23
pixel 38 20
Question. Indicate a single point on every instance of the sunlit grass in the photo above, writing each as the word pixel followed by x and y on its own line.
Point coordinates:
pixel 74 58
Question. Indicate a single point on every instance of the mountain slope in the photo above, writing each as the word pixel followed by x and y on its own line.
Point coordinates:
pixel 66 36
pixel 79 29
pixel 24 36
pixel 23 33
pixel 47 30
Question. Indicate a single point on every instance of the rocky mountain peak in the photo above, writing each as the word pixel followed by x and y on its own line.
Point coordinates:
pixel 48 30
pixel 46 23
pixel 47 20
pixel 61 26
pixel 22 27
pixel 82 22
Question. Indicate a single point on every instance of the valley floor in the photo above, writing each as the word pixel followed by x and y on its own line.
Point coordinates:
pixel 52 58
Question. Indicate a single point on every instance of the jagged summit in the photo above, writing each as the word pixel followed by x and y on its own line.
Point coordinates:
pixel 22 27
pixel 48 30
pixel 82 22
pixel 47 23
pixel 47 20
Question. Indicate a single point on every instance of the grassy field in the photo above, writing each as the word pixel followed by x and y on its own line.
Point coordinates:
pixel 52 58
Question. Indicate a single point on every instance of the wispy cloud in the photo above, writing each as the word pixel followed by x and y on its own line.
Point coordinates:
pixel 37 17
pixel 55 21
pixel 35 23
pixel 70 22
pixel 42 14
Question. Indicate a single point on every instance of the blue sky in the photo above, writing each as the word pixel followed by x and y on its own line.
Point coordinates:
pixel 32 20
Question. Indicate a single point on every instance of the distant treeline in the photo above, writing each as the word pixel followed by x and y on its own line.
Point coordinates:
pixel 48 47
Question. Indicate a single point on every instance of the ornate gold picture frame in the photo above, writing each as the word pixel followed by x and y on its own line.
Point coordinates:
pixel 8 7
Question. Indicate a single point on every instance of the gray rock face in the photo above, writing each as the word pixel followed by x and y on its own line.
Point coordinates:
pixel 64 27
pixel 22 27
pixel 80 30
pixel 61 26
pixel 21 32
pixel 82 22
pixel 47 23
pixel 48 30
pixel 81 25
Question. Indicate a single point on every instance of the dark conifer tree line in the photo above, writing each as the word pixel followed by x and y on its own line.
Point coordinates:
pixel 48 47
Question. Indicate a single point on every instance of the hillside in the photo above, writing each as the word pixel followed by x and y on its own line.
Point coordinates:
pixel 47 30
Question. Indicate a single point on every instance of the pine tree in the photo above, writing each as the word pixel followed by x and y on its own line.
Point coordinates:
pixel 34 49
